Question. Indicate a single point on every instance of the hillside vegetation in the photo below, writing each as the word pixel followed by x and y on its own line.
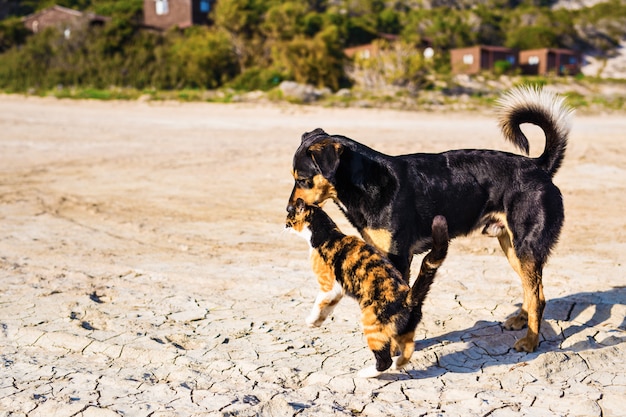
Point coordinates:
pixel 256 44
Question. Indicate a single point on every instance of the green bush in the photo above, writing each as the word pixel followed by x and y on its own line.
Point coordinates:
pixel 256 79
pixel 205 59
pixel 318 61
pixel 12 33
pixel 502 67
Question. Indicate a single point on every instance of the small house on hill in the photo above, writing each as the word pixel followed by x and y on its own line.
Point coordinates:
pixel 475 59
pixel 372 50
pixel 369 50
pixel 61 17
pixel 165 14
pixel 550 61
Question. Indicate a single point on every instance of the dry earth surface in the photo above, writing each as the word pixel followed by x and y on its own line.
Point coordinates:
pixel 145 272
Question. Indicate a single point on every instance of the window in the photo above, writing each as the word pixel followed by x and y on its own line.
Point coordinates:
pixel 533 60
pixel 205 6
pixel 468 59
pixel 162 7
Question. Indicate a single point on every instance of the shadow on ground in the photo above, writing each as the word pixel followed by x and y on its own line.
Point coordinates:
pixel 568 326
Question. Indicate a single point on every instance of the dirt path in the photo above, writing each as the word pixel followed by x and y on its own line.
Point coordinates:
pixel 145 272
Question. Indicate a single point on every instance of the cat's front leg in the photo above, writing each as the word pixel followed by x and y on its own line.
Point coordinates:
pixel 324 305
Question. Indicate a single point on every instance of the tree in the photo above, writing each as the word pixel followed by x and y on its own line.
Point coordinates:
pixel 241 20
pixel 203 59
pixel 388 21
pixel 530 28
pixel 318 60
pixel 445 27
pixel 284 21
pixel 12 33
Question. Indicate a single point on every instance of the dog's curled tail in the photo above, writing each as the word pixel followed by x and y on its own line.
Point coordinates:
pixel 529 104
pixel 431 262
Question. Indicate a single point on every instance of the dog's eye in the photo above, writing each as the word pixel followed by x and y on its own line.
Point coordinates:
pixel 304 183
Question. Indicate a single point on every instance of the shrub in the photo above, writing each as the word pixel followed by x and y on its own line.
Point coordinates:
pixel 205 59
pixel 398 63
pixel 502 67
pixel 318 61
pixel 257 79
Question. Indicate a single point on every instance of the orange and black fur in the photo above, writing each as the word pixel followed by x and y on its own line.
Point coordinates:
pixel 392 200
pixel 390 309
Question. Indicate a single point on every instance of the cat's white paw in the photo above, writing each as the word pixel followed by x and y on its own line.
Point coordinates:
pixel 369 372
pixel 314 321
pixel 396 365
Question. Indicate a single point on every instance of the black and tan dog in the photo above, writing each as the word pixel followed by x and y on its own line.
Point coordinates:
pixel 392 200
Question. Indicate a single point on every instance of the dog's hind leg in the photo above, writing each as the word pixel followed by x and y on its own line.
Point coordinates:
pixel 521 319
pixel 532 225
pixel 534 301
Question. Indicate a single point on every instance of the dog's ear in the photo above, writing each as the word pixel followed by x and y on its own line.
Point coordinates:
pixel 325 155
pixel 317 132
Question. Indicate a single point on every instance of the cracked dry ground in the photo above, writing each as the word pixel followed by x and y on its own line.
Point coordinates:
pixel 145 272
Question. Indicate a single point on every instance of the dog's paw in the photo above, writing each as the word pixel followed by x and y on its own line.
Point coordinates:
pixel 369 372
pixel 517 322
pixel 527 344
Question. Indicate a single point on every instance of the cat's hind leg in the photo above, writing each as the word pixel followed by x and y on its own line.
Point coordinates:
pixel 378 338
pixel 324 305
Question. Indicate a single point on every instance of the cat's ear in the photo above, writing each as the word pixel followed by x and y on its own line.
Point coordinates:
pixel 300 205
pixel 326 155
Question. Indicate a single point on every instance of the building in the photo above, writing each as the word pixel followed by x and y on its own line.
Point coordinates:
pixel 63 18
pixel 550 61
pixel 372 50
pixel 165 14
pixel 475 59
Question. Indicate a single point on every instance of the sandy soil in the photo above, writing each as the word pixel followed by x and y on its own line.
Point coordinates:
pixel 145 272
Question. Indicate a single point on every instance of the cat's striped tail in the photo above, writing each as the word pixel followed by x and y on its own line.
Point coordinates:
pixel 431 262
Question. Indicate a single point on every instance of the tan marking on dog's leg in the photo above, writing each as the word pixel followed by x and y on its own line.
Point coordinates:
pixel 534 300
pixel 380 238
pixel 520 320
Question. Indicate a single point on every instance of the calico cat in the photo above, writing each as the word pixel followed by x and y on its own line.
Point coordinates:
pixel 390 309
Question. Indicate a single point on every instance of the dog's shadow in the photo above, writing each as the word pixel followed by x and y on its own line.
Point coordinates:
pixel 574 323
